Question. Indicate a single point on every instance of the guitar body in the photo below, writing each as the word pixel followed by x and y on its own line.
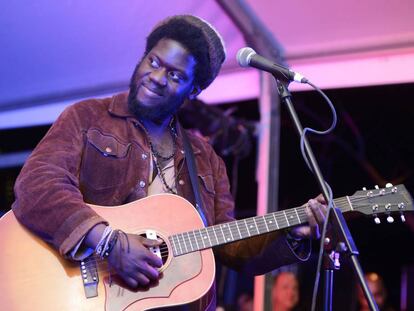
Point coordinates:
pixel 35 277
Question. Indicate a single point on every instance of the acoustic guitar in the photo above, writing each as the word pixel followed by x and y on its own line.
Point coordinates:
pixel 35 277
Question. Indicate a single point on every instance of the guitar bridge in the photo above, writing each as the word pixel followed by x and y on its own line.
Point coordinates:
pixel 90 277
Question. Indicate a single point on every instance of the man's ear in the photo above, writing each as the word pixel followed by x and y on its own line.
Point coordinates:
pixel 194 92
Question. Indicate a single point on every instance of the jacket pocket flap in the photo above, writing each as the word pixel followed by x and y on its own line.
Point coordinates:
pixel 107 144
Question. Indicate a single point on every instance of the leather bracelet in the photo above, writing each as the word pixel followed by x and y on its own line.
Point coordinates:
pixel 111 244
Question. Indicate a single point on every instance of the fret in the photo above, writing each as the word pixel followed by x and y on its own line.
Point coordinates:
pixel 248 231
pixel 274 216
pixel 270 223
pixel 259 225
pixel 229 238
pixel 297 215
pixel 265 222
pixel 179 243
pixel 200 238
pixel 184 242
pixel 284 213
pixel 195 238
pixel 238 229
pixel 222 232
pixel 302 217
pixel 191 244
pixel 291 217
pixel 251 225
pixel 174 245
pixel 230 230
pixel 255 224
pixel 205 237
pixel 349 202
pixel 214 231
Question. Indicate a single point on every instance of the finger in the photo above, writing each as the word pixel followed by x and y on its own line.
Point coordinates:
pixel 151 242
pixel 131 282
pixel 313 218
pixel 155 261
pixel 317 210
pixel 142 279
pixel 321 199
pixel 142 267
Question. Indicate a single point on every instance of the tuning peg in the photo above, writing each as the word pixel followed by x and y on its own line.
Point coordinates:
pixel 402 217
pixel 376 187
pixel 401 206
pixel 377 220
pixel 390 219
pixel 388 185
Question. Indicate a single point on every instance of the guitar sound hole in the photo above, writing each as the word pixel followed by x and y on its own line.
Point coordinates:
pixel 164 251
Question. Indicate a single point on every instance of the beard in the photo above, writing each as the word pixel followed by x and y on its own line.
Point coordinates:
pixel 156 113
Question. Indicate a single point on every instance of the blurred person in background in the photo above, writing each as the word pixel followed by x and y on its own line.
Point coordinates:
pixel 285 292
pixel 379 293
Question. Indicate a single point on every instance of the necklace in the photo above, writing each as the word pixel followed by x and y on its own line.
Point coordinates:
pixel 155 152
pixel 159 157
pixel 162 177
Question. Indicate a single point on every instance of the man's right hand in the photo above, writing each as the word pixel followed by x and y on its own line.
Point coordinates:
pixel 135 264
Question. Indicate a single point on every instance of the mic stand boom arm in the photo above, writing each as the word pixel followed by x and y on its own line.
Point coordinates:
pixel 339 239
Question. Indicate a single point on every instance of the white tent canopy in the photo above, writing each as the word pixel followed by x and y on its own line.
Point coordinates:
pixel 56 52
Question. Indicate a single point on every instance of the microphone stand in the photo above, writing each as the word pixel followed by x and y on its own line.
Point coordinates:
pixel 339 239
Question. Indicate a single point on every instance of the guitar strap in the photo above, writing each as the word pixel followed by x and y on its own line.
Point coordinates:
pixel 192 170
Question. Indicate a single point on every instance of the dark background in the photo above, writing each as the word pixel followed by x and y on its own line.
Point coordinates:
pixel 372 144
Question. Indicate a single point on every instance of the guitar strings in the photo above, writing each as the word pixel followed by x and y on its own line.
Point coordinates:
pixel 187 241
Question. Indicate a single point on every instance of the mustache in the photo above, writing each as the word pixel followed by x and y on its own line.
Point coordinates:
pixel 152 87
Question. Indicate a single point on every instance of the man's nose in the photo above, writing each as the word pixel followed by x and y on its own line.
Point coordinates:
pixel 159 76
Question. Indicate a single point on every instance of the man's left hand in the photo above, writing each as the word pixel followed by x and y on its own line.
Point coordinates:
pixel 316 211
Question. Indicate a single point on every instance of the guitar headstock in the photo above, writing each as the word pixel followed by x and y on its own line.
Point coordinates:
pixel 391 199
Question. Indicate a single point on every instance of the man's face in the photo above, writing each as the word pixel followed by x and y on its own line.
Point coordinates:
pixel 162 81
pixel 285 292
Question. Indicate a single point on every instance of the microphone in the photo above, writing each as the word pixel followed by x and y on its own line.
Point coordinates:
pixel 248 57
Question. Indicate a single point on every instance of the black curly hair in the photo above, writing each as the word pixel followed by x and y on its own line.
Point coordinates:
pixel 192 38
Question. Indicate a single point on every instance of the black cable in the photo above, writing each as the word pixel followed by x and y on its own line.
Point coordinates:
pixel 330 198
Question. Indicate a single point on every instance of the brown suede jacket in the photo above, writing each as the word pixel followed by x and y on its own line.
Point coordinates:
pixel 97 152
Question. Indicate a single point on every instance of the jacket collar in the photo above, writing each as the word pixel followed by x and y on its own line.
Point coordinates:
pixel 119 108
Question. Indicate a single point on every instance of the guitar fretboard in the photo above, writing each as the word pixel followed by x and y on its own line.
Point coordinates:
pixel 191 241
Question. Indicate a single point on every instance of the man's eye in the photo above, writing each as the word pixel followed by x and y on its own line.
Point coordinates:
pixel 175 76
pixel 154 63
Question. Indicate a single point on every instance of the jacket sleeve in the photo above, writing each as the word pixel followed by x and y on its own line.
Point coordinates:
pixel 48 199
pixel 256 255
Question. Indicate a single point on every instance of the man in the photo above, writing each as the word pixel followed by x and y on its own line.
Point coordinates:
pixel 116 150
pixel 285 292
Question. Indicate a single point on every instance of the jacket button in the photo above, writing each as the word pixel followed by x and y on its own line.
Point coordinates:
pixel 142 184
pixel 181 182
pixel 144 156
pixel 108 149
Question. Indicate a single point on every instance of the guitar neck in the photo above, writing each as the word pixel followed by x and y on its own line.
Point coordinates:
pixel 216 235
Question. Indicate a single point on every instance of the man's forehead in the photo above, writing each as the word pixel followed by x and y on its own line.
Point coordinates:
pixel 173 54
